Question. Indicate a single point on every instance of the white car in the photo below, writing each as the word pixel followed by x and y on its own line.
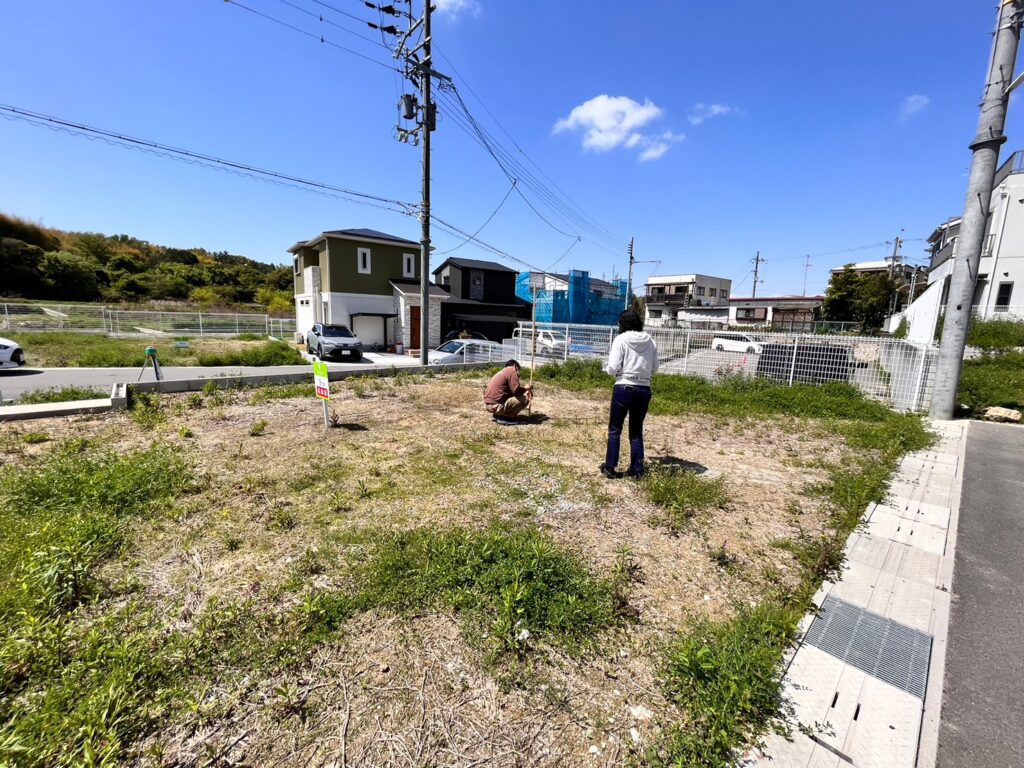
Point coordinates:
pixel 465 351
pixel 548 342
pixel 11 355
pixel 735 342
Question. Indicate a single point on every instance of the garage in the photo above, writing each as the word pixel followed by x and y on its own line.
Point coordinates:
pixel 371 327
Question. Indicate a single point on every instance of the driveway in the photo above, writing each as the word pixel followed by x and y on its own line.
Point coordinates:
pixel 707 362
pixel 17 382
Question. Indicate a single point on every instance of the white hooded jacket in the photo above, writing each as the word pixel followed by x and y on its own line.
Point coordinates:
pixel 633 359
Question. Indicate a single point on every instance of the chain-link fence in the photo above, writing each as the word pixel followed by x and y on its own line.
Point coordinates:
pixel 896 372
pixel 77 318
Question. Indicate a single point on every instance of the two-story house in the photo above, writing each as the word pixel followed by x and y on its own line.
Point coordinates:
pixel 481 297
pixel 367 280
pixel 672 299
pixel 573 297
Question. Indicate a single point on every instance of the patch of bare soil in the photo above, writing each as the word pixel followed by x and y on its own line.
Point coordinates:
pixel 275 521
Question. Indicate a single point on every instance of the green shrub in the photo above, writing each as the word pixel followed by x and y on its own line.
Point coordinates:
pixel 257 428
pixel 145 408
pixel 61 395
pixel 35 438
pixel 996 334
pixel 993 380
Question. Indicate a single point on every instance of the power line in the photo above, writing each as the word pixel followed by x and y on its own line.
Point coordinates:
pixel 521 151
pixel 574 244
pixel 320 16
pixel 511 167
pixel 307 33
pixel 486 222
pixel 197 158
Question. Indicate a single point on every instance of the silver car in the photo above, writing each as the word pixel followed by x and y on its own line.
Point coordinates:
pixel 326 341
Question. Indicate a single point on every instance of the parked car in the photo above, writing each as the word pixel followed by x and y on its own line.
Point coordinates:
pixel 465 335
pixel 464 351
pixel 326 341
pixel 11 355
pixel 735 342
pixel 548 342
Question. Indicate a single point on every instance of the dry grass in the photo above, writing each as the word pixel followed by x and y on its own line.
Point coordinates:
pixel 282 514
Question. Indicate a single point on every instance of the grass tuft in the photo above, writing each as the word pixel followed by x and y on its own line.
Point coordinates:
pixel 60 395
pixel 683 495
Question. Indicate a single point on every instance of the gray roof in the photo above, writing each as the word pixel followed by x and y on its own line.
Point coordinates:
pixel 474 264
pixel 595 282
pixel 370 233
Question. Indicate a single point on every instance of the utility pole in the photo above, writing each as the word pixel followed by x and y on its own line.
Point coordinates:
pixel 629 279
pixel 807 268
pixel 758 261
pixel 985 149
pixel 895 273
pixel 419 70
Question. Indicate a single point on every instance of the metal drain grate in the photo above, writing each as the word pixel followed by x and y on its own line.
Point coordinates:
pixel 884 648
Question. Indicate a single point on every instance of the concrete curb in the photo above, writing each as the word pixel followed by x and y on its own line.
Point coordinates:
pixel 118 400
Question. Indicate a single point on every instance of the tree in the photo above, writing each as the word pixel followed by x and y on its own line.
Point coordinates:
pixel 70 277
pixel 859 296
pixel 21 268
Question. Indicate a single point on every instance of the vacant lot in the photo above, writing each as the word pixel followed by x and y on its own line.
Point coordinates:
pixel 218 577
pixel 52 349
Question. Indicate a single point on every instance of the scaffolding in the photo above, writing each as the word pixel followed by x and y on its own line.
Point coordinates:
pixel 578 302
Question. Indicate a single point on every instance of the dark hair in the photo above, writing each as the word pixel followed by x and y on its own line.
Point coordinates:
pixel 630 321
pixel 512 363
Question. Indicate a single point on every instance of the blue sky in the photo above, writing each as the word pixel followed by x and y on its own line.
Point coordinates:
pixel 705 130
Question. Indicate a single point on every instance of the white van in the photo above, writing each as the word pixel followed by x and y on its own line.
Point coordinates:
pixel 735 342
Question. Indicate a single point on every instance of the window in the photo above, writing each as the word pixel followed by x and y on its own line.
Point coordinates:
pixel 700 290
pixel 408 265
pixel 654 313
pixel 1003 297
pixel 363 260
pixel 679 289
pixel 725 294
pixel 712 292
pixel 296 265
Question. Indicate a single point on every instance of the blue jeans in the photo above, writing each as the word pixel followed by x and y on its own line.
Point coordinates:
pixel 631 400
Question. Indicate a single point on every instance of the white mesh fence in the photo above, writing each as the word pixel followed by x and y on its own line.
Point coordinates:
pixel 893 371
pixel 119 322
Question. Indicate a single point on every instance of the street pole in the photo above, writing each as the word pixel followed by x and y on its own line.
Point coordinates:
pixel 629 278
pixel 427 124
pixel 985 149
pixel 807 267
pixel 757 268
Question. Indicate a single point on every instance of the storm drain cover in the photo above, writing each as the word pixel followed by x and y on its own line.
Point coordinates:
pixel 884 648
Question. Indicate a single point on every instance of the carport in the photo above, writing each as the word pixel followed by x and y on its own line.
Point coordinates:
pixel 364 325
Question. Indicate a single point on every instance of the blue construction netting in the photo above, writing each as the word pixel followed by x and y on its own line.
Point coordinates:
pixel 580 303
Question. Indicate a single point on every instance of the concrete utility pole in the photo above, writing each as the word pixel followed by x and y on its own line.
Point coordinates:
pixel 758 261
pixel 427 123
pixel 629 278
pixel 974 220
pixel 807 268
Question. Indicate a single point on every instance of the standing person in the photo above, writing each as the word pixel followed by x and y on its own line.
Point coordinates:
pixel 505 396
pixel 633 359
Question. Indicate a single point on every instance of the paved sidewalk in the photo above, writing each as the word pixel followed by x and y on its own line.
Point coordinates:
pixel 867 677
pixel 983 709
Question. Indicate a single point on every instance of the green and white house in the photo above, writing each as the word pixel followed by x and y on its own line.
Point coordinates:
pixel 367 280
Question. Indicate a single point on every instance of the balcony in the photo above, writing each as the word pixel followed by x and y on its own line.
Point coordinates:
pixel 675 299
pixel 1014 164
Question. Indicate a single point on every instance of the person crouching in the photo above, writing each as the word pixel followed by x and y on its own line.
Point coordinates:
pixel 505 396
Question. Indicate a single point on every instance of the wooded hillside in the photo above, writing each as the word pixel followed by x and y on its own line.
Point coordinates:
pixel 49 264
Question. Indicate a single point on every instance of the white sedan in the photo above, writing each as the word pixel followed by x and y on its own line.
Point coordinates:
pixel 465 351
pixel 735 342
pixel 11 355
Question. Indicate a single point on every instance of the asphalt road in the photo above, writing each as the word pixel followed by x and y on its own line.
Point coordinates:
pixel 983 696
pixel 17 382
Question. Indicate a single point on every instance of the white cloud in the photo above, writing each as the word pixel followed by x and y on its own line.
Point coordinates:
pixel 455 8
pixel 702 112
pixel 608 122
pixel 912 105
pixel 656 146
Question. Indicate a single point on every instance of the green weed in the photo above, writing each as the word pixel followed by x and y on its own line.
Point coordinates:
pixel 145 409
pixel 268 353
pixel 34 438
pixel 60 395
pixel 281 392
pixel 993 380
pixel 257 428
pixel 683 495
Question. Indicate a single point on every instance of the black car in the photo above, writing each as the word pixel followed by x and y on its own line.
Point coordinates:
pixel 326 341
